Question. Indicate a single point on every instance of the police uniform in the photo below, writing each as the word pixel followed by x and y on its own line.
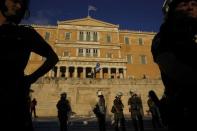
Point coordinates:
pixel 101 112
pixel 118 113
pixel 177 36
pixel 64 109
pixel 135 104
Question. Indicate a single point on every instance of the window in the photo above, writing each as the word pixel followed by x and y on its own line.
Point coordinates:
pixel 95 37
pixel 47 36
pixel 109 55
pixel 80 52
pixel 108 38
pixel 66 53
pixel 81 36
pixel 141 42
pixel 129 59
pixel 126 40
pixel 95 52
pixel 88 36
pixel 143 59
pixel 88 52
pixel 67 36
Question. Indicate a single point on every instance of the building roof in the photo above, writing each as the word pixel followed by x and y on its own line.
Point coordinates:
pixel 88 21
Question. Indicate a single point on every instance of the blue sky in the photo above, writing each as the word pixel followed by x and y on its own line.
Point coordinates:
pixel 140 15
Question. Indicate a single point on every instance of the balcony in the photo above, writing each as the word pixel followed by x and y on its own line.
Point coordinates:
pixel 93 59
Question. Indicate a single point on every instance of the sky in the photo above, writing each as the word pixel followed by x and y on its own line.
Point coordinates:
pixel 137 15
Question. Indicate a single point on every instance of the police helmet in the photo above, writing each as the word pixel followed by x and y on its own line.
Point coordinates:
pixel 119 94
pixel 25 9
pixel 63 94
pixel 25 4
pixel 169 5
pixel 131 92
pixel 99 93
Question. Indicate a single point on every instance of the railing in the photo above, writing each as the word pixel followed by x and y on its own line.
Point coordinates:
pixel 48 80
pixel 92 58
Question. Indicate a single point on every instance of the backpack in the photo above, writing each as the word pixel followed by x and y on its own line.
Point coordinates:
pixel 96 110
pixel 113 109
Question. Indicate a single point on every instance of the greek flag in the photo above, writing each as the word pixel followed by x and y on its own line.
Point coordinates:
pixel 90 7
pixel 97 68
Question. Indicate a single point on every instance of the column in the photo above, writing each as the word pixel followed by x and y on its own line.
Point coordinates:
pixel 91 36
pixel 84 52
pixel 124 73
pixel 101 73
pixel 84 72
pixel 50 73
pixel 84 36
pixel 75 72
pixel 58 71
pixel 109 73
pixel 67 71
pixel 117 73
pixel 91 52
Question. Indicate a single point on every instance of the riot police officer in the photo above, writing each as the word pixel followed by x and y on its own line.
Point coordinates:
pixel 135 107
pixel 117 109
pixel 64 109
pixel 174 49
pixel 100 111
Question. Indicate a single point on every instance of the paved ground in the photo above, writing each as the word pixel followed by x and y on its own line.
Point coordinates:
pixel 83 124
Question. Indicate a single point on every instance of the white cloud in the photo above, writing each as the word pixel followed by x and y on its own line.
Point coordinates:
pixel 41 17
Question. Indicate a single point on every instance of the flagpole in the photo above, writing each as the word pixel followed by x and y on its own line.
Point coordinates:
pixel 90 8
pixel 88 11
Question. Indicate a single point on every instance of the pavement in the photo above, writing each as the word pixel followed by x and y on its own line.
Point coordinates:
pixel 85 124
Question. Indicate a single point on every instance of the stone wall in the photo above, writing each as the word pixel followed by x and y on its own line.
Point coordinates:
pixel 82 93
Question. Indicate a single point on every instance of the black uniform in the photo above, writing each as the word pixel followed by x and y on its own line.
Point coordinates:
pixel 135 103
pixel 119 115
pixel 17 42
pixel 33 107
pixel 64 109
pixel 100 112
pixel 177 36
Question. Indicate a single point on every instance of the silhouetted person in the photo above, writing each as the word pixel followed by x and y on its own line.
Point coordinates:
pixel 118 113
pixel 33 108
pixel 154 109
pixel 100 112
pixel 135 107
pixel 64 109
pixel 174 49
pixel 17 43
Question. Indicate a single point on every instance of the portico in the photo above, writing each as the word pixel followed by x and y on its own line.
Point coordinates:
pixel 84 70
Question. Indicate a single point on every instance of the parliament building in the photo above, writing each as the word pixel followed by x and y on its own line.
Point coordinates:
pixel 85 44
pixel 94 55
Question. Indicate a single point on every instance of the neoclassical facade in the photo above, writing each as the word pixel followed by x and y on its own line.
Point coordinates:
pixel 81 44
